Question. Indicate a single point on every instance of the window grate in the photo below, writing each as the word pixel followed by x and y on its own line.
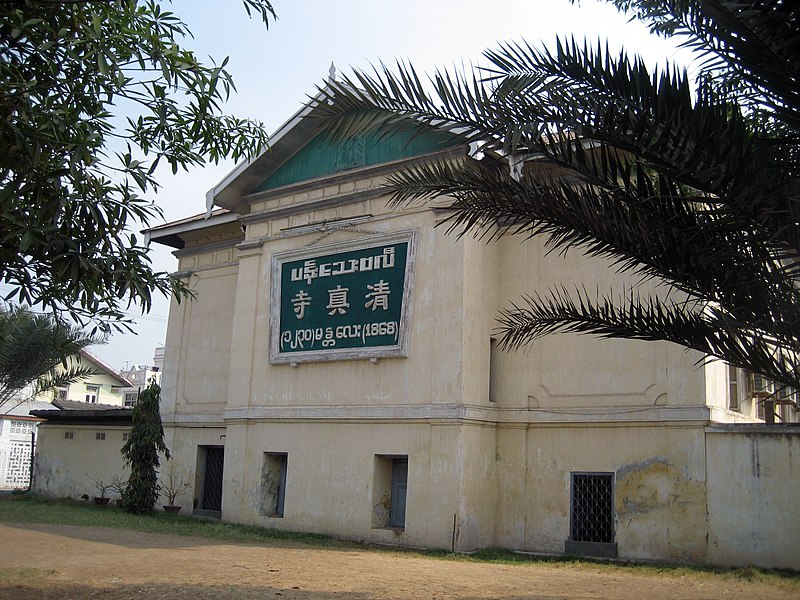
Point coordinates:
pixel 18 472
pixel 592 507
pixel 22 427
pixel 212 479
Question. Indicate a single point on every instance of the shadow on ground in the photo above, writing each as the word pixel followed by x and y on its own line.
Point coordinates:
pixel 129 538
pixel 195 592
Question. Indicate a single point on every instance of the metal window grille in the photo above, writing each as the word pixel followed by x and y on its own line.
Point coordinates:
pixel 18 474
pixel 100 436
pixel 592 518
pixel 22 427
pixel 212 478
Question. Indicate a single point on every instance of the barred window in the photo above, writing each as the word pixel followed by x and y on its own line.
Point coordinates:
pixel 592 507
pixel 22 427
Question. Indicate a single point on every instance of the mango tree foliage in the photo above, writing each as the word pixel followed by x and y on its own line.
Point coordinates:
pixel 93 97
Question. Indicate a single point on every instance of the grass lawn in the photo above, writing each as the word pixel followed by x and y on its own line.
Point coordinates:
pixel 21 508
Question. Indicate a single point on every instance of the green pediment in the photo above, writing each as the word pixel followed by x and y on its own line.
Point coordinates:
pixel 321 157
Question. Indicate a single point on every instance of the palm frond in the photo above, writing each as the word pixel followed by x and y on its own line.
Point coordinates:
pixel 649 319
pixel 652 234
pixel 36 349
pixel 698 189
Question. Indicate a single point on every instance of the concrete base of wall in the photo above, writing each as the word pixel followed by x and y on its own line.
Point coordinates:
pixel 595 549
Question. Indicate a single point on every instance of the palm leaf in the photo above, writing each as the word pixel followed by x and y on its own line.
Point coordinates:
pixel 697 189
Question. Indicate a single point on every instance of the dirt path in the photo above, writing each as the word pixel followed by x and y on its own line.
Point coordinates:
pixel 115 564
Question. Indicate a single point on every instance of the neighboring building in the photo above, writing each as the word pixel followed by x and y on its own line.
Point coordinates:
pixel 18 430
pixel 17 445
pixel 337 372
pixel 140 376
pixel 106 386
pixel 77 444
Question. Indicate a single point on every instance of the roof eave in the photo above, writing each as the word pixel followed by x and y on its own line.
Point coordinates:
pixel 170 234
pixel 289 138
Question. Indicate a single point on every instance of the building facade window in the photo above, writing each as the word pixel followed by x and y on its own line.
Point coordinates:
pixel 61 392
pixel 100 435
pixel 389 491
pixel 734 388
pixel 92 393
pixel 592 507
pixel 22 427
pixel 494 377
pixel 68 435
pixel 397 517
pixel 130 398
pixel 762 390
pixel 273 484
pixel 787 403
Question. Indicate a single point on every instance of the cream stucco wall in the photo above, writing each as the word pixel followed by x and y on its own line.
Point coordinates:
pixel 653 380
pixel 753 490
pixel 185 464
pixel 64 468
pixel 329 481
pixel 659 493
pixel 481 472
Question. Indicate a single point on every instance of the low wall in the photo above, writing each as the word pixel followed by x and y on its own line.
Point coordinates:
pixel 753 474
pixel 68 456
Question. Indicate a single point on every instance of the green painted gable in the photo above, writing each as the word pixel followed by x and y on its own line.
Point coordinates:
pixel 322 157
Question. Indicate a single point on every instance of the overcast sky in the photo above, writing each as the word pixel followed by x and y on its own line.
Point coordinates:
pixel 276 70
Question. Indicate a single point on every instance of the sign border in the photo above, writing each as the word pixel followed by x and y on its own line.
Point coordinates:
pixel 399 350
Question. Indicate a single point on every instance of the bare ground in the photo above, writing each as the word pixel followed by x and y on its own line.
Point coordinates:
pixel 66 562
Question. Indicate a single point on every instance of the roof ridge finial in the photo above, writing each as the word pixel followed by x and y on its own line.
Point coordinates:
pixel 332 73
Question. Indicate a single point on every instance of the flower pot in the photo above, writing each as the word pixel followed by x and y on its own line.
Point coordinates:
pixel 102 500
pixel 171 509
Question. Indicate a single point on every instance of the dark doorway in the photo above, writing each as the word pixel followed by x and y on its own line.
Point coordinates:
pixel 213 458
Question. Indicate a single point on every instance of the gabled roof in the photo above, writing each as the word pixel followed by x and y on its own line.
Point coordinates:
pixel 299 137
pixel 289 137
pixel 104 367
pixel 299 155
pixel 169 234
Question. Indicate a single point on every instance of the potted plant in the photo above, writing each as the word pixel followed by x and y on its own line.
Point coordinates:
pixel 171 488
pixel 103 488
